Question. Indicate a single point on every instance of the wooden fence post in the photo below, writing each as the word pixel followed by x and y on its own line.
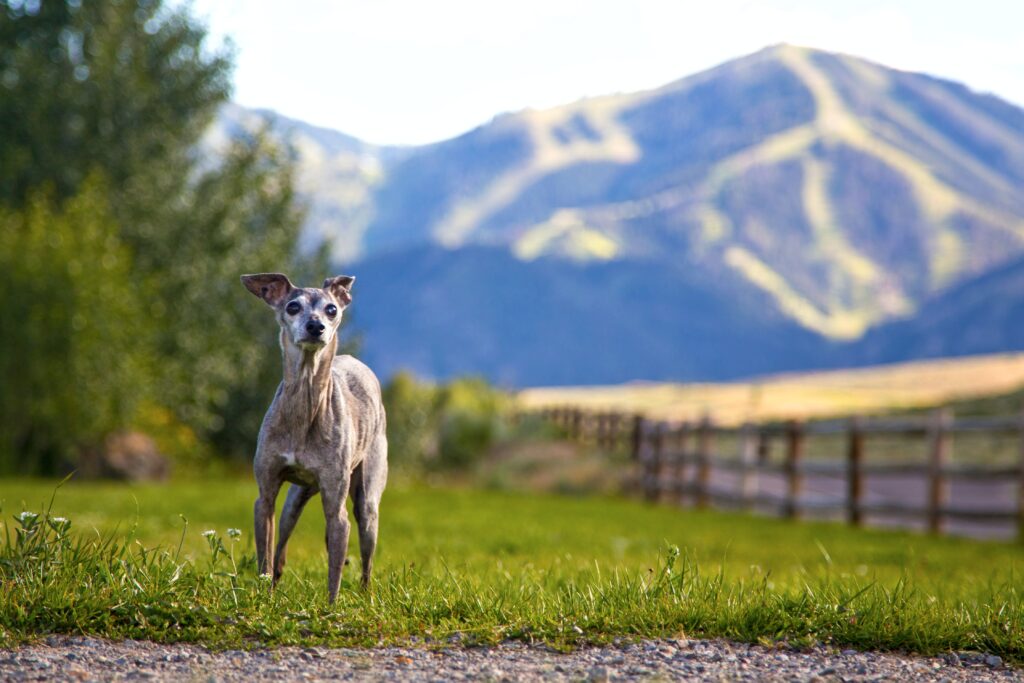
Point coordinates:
pixel 748 455
pixel 938 456
pixel 614 431
pixel 644 459
pixel 606 431
pixel 682 448
pixel 794 481
pixel 658 459
pixel 854 473
pixel 636 437
pixel 764 447
pixel 1020 478
pixel 647 462
pixel 705 443
pixel 609 431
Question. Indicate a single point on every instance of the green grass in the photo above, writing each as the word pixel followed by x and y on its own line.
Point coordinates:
pixel 493 566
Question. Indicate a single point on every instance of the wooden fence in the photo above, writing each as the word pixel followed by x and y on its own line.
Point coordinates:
pixel 680 462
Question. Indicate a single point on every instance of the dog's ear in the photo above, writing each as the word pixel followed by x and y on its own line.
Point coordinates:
pixel 340 287
pixel 271 287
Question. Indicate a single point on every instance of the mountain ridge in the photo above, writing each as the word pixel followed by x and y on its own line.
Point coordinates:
pixel 841 194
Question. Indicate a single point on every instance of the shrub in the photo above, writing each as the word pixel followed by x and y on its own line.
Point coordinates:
pixel 447 426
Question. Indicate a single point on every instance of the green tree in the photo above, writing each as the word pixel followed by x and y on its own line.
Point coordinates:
pixel 123 86
pixel 240 217
pixel 77 342
pixel 124 90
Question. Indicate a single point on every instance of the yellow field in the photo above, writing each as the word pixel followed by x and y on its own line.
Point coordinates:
pixel 866 391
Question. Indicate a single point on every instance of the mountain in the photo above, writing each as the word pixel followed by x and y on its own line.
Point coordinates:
pixel 847 191
pixel 481 310
pixel 336 173
pixel 792 194
pixel 980 316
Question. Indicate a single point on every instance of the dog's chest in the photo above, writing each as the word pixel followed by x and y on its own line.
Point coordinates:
pixel 296 469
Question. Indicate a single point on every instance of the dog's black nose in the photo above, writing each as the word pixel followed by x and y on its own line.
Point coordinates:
pixel 315 328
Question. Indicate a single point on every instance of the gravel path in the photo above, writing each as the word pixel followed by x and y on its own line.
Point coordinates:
pixel 79 658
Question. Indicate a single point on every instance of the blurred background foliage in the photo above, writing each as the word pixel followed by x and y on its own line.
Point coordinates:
pixel 121 244
pixel 436 428
pixel 78 345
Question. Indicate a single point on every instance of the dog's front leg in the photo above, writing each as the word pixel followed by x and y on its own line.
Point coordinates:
pixel 333 497
pixel 263 518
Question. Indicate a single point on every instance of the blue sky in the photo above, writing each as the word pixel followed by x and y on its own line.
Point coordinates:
pixel 410 72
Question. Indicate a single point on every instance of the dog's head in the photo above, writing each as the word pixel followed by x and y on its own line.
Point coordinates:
pixel 308 316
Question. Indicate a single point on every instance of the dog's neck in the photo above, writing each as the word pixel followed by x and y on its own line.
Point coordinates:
pixel 307 379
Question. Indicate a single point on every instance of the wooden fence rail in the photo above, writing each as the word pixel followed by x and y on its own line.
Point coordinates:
pixel 675 462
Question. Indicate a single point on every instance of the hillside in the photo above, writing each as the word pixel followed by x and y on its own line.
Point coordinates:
pixel 983 315
pixel 837 194
pixel 336 174
pixel 481 310
pixel 846 191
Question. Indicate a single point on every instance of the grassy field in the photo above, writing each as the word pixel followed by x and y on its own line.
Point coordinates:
pixel 492 566
pixel 872 390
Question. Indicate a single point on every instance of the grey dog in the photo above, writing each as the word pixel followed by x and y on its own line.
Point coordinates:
pixel 324 432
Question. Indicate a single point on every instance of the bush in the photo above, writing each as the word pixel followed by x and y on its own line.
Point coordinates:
pixel 412 409
pixel 449 426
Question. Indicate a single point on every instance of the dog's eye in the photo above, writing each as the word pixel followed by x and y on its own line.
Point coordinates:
pixel 332 310
pixel 293 308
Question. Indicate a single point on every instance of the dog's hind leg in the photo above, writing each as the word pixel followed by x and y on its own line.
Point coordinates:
pixel 297 498
pixel 367 487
